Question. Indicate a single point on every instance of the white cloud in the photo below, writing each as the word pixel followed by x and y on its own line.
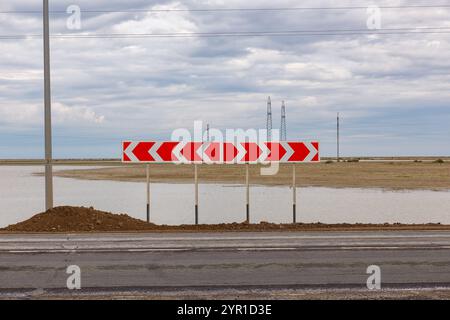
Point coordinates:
pixel 318 71
pixel 21 75
pixel 24 114
pixel 63 113
pixel 159 22
pixel 19 114
pixel 151 86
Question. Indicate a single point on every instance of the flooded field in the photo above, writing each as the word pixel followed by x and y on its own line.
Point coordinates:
pixel 22 195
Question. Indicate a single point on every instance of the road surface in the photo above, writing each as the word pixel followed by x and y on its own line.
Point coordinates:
pixel 172 262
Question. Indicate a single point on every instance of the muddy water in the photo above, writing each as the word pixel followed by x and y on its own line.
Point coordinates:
pixel 22 195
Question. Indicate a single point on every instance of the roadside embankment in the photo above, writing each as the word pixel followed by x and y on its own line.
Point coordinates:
pixel 81 219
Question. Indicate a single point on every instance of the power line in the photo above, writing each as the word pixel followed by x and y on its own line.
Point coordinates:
pixel 431 6
pixel 400 31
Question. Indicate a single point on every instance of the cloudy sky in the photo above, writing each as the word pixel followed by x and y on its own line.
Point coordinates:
pixel 392 90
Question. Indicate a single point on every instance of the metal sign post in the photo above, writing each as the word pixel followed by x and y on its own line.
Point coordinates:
pixel 294 196
pixel 247 184
pixel 147 169
pixel 196 192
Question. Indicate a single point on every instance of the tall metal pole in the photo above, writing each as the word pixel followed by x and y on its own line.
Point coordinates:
pixel 338 156
pixel 294 196
pixel 247 184
pixel 47 113
pixel 148 192
pixel 196 192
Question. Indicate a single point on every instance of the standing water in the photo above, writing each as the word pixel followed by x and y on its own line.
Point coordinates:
pixel 22 196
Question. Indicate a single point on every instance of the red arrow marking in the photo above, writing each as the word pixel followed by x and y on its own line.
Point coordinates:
pixel 165 151
pixel 213 151
pixel 300 151
pixel 277 151
pixel 229 152
pixel 125 146
pixel 316 157
pixel 190 151
pixel 142 151
pixel 253 151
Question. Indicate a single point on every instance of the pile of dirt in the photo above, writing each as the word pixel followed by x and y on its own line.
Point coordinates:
pixel 81 219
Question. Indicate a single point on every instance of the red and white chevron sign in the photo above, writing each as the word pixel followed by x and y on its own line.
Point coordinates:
pixel 219 152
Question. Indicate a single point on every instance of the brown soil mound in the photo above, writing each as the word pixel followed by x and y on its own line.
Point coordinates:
pixel 78 219
pixel 81 219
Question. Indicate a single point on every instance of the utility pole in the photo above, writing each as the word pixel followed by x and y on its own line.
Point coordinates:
pixel 338 156
pixel 47 113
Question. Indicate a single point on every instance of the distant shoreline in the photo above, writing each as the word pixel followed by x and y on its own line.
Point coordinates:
pixel 401 173
pixel 118 162
pixel 383 175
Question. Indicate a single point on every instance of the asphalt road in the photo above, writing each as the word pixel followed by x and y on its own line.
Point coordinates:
pixel 124 262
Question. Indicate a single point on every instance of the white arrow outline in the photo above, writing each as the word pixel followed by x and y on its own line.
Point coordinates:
pixel 289 151
pixel 204 156
pixel 224 152
pixel 154 151
pixel 265 151
pixel 206 159
pixel 199 149
pixel 240 157
pixel 129 152
pixel 176 152
pixel 312 152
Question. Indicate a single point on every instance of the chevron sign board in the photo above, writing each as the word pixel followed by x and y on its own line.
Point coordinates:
pixel 219 152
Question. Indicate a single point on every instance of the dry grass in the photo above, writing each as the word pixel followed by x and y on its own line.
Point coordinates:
pixel 389 175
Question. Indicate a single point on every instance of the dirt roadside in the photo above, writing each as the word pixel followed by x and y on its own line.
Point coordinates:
pixel 240 294
pixel 82 220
